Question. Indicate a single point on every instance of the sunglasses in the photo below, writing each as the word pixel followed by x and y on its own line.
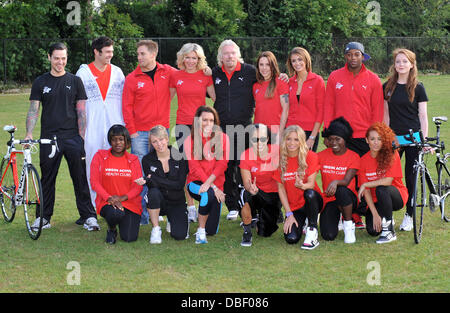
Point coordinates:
pixel 261 139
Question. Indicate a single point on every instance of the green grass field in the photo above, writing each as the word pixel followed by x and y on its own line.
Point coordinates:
pixel 222 265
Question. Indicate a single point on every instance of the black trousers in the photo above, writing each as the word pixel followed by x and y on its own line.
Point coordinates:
pixel 267 205
pixel 313 203
pixel 176 213
pixel 329 218
pixel 73 151
pixel 411 154
pixel 388 200
pixel 127 221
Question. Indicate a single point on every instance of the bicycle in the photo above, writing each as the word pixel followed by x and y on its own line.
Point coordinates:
pixel 25 190
pixel 439 194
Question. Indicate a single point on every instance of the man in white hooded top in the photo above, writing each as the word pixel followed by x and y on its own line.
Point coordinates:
pixel 103 83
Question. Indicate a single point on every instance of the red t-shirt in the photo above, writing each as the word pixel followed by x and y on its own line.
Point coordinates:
pixel 334 167
pixel 268 110
pixel 191 93
pixel 294 194
pixel 102 78
pixel 262 169
pixel 368 172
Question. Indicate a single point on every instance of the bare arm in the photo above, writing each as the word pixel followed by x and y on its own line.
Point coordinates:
pixel 32 117
pixel 386 113
pixel 284 100
pixel 81 114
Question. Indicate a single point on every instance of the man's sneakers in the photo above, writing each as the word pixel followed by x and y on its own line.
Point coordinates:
pixel 387 232
pixel 311 239
pixel 200 236
pixel 407 223
pixel 111 236
pixel 155 236
pixel 45 224
pixel 91 224
pixel 349 231
pixel 247 236
pixel 192 214
pixel 359 224
pixel 233 215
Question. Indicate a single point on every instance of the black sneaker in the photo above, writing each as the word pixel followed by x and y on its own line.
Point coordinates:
pixel 111 236
pixel 80 221
pixel 387 233
pixel 247 236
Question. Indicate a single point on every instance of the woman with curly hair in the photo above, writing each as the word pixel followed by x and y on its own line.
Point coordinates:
pixel 297 187
pixel 381 176
pixel 405 107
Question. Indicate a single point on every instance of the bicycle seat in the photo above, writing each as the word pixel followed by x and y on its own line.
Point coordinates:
pixel 440 119
pixel 10 128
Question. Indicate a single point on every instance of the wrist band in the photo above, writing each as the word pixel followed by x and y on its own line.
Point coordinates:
pixel 288 214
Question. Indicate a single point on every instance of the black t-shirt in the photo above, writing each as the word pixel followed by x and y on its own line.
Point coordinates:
pixel 58 96
pixel 151 73
pixel 403 114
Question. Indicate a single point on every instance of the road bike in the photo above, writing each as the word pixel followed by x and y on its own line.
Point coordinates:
pixel 439 192
pixel 22 188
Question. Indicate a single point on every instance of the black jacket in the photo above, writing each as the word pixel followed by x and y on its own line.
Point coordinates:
pixel 234 99
pixel 171 184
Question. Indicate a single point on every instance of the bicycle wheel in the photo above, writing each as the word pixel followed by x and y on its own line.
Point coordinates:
pixel 418 204
pixel 444 188
pixel 7 191
pixel 32 202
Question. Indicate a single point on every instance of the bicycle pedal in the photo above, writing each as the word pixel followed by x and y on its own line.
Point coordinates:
pixel 434 202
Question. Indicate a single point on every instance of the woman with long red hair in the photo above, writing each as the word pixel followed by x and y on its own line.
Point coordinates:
pixel 380 176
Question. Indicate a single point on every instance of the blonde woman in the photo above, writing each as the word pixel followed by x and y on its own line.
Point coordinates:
pixel 190 84
pixel 405 107
pixel 297 187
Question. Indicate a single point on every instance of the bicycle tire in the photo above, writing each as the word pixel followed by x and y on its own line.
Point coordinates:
pixel 7 191
pixel 33 200
pixel 444 188
pixel 418 204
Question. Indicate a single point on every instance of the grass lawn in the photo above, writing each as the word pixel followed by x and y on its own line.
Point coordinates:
pixel 222 265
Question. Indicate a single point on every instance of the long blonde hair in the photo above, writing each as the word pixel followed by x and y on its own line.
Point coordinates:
pixel 303 151
pixel 393 76
pixel 191 47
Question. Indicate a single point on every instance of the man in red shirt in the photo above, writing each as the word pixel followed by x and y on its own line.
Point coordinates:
pixel 146 100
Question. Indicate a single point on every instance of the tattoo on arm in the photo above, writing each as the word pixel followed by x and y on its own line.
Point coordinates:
pixel 285 97
pixel 81 114
pixel 32 115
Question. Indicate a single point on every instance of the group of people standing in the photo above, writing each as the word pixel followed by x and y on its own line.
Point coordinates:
pixel 254 150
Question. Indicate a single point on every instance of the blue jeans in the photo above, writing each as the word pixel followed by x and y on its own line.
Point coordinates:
pixel 140 147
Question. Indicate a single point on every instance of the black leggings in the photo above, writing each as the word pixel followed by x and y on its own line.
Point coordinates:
pixel 313 203
pixel 388 200
pixel 329 218
pixel 411 154
pixel 128 222
pixel 267 205
pixel 176 213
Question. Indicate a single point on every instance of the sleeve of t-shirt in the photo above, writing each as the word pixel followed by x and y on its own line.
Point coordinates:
pixel 313 164
pixel 420 93
pixel 36 90
pixel 81 92
pixel 277 175
pixel 172 82
pixel 243 163
pixel 355 162
pixel 362 174
pixel 283 88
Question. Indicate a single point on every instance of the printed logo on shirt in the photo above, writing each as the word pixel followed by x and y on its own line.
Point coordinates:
pixel 153 169
pixel 365 87
pixel 217 81
pixel 179 82
pixel 256 91
pixel 339 85
pixel 200 81
pixel 241 79
pixel 331 169
pixel 254 169
pixel 163 77
pixel 140 85
pixel 46 90
pixel 68 87
pixel 117 172
pixel 310 87
pixel 95 77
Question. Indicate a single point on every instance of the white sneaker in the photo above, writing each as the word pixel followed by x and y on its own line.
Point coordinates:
pixel 349 231
pixel 155 237
pixel 192 214
pixel 200 236
pixel 387 233
pixel 161 219
pixel 407 223
pixel 311 239
pixel 45 224
pixel 91 224
pixel 168 226
pixel 232 215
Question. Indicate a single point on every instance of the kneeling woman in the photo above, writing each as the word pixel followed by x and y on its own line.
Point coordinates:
pixel 165 178
pixel 207 152
pixel 258 163
pixel 381 182
pixel 297 187
pixel 113 173
pixel 338 166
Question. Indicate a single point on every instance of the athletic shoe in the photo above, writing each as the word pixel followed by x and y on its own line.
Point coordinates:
pixel 80 221
pixel 341 223
pixel 359 224
pixel 161 218
pixel 111 236
pixel 407 223
pixel 45 224
pixel 168 227
pixel 200 236
pixel 349 231
pixel 387 232
pixel 155 237
pixel 232 215
pixel 311 239
pixel 91 224
pixel 192 214
pixel 247 236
